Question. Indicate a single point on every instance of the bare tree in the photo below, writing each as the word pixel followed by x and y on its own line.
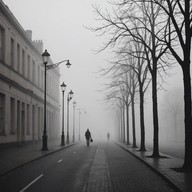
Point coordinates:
pixel 178 40
pixel 122 87
pixel 131 87
pixel 141 21
pixel 115 91
pixel 147 28
pixel 141 71
pixel 132 90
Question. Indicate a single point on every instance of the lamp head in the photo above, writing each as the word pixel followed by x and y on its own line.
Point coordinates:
pixel 70 95
pixel 68 64
pixel 63 87
pixel 45 56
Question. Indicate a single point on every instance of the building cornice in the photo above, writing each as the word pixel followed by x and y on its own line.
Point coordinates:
pixel 4 9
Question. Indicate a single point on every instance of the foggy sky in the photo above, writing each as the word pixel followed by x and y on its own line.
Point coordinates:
pixel 60 24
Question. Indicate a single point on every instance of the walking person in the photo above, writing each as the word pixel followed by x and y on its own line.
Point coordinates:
pixel 88 137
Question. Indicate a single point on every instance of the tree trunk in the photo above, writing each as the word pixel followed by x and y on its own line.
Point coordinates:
pixel 127 109
pixel 188 121
pixel 187 90
pixel 123 124
pixel 155 115
pixel 133 121
pixel 119 125
pixel 119 128
pixel 142 123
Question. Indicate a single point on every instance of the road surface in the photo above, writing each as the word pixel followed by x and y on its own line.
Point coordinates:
pixel 103 166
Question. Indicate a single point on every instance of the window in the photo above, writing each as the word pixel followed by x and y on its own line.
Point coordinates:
pixel 18 57
pixel 12 116
pixel 33 122
pixel 2 43
pixel 38 78
pixel 18 119
pixel 23 62
pixel 29 67
pixel 2 114
pixel 12 52
pixel 33 74
pixel 28 120
pixel 23 122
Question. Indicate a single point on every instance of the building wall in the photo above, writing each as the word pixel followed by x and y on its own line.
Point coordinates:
pixel 22 85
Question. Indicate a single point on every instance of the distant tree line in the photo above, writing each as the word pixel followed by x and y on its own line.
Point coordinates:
pixel 147 38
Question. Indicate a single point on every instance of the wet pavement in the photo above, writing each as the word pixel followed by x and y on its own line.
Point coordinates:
pixel 168 167
pixel 115 170
pixel 12 158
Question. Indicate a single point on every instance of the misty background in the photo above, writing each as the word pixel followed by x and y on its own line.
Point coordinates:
pixel 61 24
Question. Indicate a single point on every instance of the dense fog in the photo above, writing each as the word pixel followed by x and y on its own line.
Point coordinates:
pixel 62 27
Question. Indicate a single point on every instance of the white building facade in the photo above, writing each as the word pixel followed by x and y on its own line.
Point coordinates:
pixel 22 85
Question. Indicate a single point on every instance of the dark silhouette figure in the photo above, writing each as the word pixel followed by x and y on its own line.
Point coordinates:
pixel 108 136
pixel 88 136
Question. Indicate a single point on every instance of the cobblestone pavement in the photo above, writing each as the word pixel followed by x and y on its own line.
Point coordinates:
pixel 115 170
pixel 99 178
pixel 168 167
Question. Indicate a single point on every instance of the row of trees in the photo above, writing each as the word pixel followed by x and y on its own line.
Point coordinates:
pixel 147 38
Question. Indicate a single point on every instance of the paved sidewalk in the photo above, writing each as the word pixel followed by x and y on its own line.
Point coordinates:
pixel 12 157
pixel 99 177
pixel 113 170
pixel 167 167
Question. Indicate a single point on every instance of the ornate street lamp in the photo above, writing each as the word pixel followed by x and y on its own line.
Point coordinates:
pixel 63 88
pixel 74 104
pixel 46 57
pixel 69 97
pixel 68 64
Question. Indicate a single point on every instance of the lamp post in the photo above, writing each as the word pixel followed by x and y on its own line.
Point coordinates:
pixel 46 57
pixel 69 97
pixel 63 88
pixel 74 104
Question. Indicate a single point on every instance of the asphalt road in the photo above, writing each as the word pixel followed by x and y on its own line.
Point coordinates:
pixel 69 170
pixel 65 170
